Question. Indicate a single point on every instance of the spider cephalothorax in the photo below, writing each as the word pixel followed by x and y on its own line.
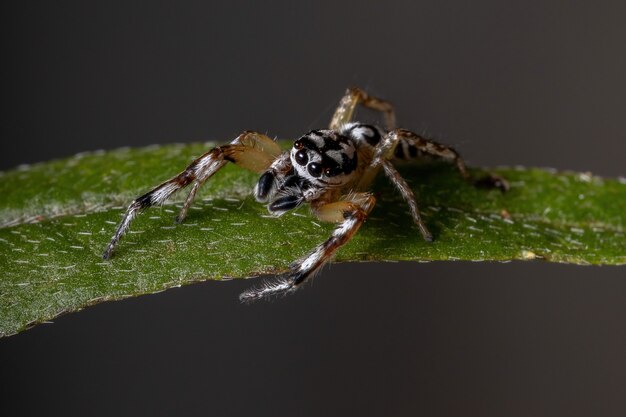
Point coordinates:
pixel 330 169
pixel 325 157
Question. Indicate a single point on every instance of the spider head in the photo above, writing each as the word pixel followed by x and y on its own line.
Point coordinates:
pixel 324 158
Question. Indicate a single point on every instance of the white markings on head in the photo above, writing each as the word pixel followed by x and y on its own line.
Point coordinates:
pixel 325 158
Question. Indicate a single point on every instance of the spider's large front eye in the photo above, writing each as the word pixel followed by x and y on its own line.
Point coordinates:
pixel 315 169
pixel 301 157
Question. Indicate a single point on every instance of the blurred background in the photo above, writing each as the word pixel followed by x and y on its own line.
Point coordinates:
pixel 506 83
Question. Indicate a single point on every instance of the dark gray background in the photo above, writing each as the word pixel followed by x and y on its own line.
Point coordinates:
pixel 506 83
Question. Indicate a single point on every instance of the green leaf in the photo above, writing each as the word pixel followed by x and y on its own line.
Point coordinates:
pixel 56 219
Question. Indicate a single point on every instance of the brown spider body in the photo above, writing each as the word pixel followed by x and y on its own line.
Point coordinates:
pixel 330 169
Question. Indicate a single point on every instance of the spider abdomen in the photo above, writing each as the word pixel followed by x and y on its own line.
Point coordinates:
pixel 363 133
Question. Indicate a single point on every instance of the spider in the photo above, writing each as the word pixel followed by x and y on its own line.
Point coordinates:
pixel 330 169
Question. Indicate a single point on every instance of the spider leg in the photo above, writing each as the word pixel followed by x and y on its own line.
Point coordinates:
pixel 353 97
pixel 404 144
pixel 409 197
pixel 249 150
pixel 350 214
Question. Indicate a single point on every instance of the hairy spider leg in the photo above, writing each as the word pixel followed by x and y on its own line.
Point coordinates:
pixel 250 150
pixel 408 195
pixel 350 213
pixel 402 144
pixel 410 145
pixel 353 97
pixel 406 145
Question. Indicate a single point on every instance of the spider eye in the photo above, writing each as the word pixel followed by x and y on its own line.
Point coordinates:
pixel 298 144
pixel 314 169
pixel 301 157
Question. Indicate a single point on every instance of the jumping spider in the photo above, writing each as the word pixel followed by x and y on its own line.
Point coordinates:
pixel 330 169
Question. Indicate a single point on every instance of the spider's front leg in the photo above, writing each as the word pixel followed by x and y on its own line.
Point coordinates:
pixel 404 144
pixel 350 214
pixel 250 150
